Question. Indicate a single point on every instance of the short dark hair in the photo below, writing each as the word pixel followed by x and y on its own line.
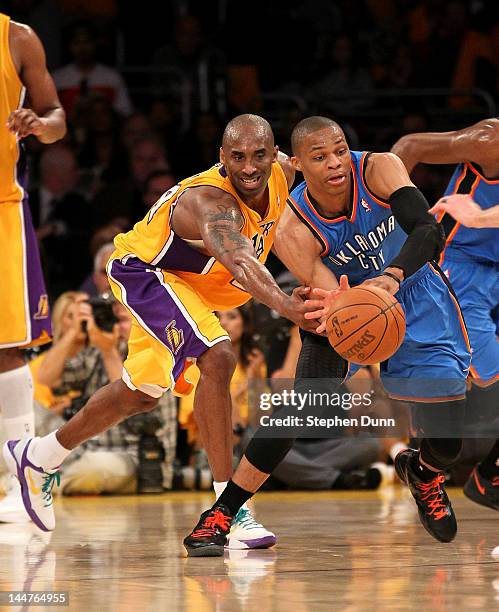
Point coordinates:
pixel 308 126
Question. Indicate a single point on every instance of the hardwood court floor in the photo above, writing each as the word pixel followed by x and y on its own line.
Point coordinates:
pixel 337 551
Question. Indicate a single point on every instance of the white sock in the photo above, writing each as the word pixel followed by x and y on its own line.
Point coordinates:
pixel 396 448
pixel 47 452
pixel 219 488
pixel 16 403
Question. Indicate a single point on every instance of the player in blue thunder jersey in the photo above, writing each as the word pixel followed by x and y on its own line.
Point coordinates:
pixel 471 261
pixel 359 218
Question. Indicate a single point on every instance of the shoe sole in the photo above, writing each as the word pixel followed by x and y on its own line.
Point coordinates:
pixel 205 551
pixel 15 517
pixel 257 543
pixel 13 466
pixel 479 499
pixel 434 535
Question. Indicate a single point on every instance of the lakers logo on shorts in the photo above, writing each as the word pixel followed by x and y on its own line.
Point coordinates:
pixel 43 307
pixel 174 336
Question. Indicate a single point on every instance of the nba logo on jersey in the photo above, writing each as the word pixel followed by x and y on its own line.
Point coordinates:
pixel 365 205
pixel 174 336
pixel 43 307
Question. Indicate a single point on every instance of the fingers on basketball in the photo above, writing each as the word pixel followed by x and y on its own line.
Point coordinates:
pixel 367 325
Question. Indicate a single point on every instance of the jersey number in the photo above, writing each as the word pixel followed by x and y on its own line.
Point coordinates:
pixel 164 198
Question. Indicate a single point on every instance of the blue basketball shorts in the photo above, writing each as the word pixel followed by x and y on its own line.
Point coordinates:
pixel 476 284
pixel 433 361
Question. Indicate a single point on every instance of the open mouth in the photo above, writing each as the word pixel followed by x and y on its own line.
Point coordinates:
pixel 250 183
pixel 337 180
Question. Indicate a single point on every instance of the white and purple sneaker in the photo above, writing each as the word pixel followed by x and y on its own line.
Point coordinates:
pixel 36 484
pixel 12 506
pixel 246 532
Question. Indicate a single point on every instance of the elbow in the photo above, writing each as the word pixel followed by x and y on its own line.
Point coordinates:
pixel 431 237
pixel 402 147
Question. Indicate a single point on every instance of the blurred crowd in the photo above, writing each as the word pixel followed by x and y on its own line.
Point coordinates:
pixel 147 99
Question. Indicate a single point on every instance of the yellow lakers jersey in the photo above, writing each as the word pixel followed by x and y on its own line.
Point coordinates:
pixel 11 98
pixel 153 241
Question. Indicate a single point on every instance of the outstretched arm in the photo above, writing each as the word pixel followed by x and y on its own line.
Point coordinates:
pixel 45 119
pixel 478 143
pixel 300 252
pixel 220 221
pixel 389 180
pixel 466 211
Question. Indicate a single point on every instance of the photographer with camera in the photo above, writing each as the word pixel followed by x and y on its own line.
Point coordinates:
pixel 89 347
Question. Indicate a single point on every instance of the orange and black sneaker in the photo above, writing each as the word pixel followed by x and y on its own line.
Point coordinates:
pixel 209 536
pixel 482 491
pixel 435 510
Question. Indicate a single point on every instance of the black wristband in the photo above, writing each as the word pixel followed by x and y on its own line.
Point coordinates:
pixel 396 278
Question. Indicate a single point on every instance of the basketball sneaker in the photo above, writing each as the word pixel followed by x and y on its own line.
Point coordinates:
pixel 36 484
pixel 482 491
pixel 209 536
pixel 246 532
pixel 434 507
pixel 12 507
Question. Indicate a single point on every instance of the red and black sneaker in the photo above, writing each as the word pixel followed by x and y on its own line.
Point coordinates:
pixel 209 536
pixel 435 510
pixel 482 491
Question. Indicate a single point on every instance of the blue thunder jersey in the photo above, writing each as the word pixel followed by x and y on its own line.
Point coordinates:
pixel 362 244
pixel 480 244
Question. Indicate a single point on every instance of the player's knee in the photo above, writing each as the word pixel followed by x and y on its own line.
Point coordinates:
pixel 135 402
pixel 265 454
pixel 146 402
pixel 11 359
pixel 218 362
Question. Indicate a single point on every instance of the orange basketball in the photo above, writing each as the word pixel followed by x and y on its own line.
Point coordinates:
pixel 367 325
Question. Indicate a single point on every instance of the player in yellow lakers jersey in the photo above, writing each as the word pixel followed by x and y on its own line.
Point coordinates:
pixel 200 248
pixel 24 314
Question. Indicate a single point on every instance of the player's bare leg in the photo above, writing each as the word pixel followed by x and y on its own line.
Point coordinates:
pixel 34 460
pixel 106 408
pixel 213 407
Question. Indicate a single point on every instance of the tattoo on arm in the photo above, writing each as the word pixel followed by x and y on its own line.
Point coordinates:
pixel 223 230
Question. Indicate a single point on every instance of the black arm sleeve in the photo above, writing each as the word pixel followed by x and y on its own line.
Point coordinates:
pixel 425 237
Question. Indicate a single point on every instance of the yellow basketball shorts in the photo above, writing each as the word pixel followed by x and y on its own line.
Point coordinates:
pixel 24 306
pixel 171 324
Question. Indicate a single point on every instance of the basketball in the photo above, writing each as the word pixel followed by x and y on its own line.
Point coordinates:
pixel 367 325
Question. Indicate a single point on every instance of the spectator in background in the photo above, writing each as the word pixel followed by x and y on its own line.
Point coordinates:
pixel 135 127
pixel 157 183
pixel 120 202
pixel 79 363
pixel 164 120
pixel 346 75
pixel 103 235
pixel 204 139
pixel 45 17
pixel 97 282
pixel 101 155
pixel 62 218
pixel 191 72
pixel 85 74
pixel 477 62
